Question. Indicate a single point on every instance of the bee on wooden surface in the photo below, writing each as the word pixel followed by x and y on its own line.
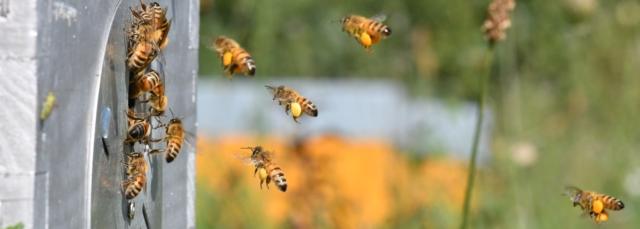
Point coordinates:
pixel 594 204
pixel 141 51
pixel 235 59
pixel 293 102
pixel 139 129
pixel 266 169
pixel 367 31
pixel 150 82
pixel 136 175
pixel 147 82
pixel 154 17
pixel 158 102
pixel 174 138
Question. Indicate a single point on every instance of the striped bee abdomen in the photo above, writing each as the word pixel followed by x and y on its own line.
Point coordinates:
pixel 307 106
pixel 278 178
pixel 140 56
pixel 133 186
pixel 173 148
pixel 612 203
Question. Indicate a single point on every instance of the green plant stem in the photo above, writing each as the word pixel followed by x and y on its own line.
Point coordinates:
pixel 484 84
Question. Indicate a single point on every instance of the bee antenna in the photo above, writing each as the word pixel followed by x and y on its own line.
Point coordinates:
pixel 171 110
pixel 248 147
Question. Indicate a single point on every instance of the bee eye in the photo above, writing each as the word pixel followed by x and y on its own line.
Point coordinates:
pixel 387 31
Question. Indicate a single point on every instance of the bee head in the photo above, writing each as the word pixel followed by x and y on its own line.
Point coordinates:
pixel 251 66
pixel 386 31
pixel 154 4
pixel 345 20
pixel 256 150
pixel 576 199
pixel 175 121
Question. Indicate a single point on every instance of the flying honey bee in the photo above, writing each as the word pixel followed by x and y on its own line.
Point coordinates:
pixel 367 31
pixel 266 169
pixel 174 138
pixel 136 172
pixel 293 102
pixel 235 59
pixel 139 128
pixel 594 204
pixel 154 18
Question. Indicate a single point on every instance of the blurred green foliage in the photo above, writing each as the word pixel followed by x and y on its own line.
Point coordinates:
pixel 16 226
pixel 566 81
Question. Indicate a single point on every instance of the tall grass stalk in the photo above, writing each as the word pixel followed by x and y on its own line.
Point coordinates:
pixel 483 83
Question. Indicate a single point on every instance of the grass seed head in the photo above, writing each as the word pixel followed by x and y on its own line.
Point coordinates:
pixel 498 20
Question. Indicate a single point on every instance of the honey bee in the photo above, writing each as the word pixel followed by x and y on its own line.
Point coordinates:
pixel 161 25
pixel 136 172
pixel 154 18
pixel 147 82
pixel 266 169
pixel 293 102
pixel 235 59
pixel 141 51
pixel 367 31
pixel 139 128
pixel 594 204
pixel 151 82
pixel 174 138
pixel 158 101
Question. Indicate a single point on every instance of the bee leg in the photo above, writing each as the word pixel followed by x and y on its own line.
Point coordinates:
pixel 125 183
pixel 129 140
pixel 287 108
pixel 227 71
pixel 155 151
pixel 268 181
pixel 255 171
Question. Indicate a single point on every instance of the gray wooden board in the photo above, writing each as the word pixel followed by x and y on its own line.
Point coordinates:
pixel 82 59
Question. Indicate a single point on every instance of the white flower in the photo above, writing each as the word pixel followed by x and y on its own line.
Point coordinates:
pixel 524 154
pixel 632 182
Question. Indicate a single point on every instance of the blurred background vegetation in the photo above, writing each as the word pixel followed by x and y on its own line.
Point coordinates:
pixel 564 94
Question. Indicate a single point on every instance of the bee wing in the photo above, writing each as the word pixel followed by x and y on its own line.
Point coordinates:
pixel 245 158
pixel 271 89
pixel 379 17
pixel 189 140
pixel 571 191
pixel 160 60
